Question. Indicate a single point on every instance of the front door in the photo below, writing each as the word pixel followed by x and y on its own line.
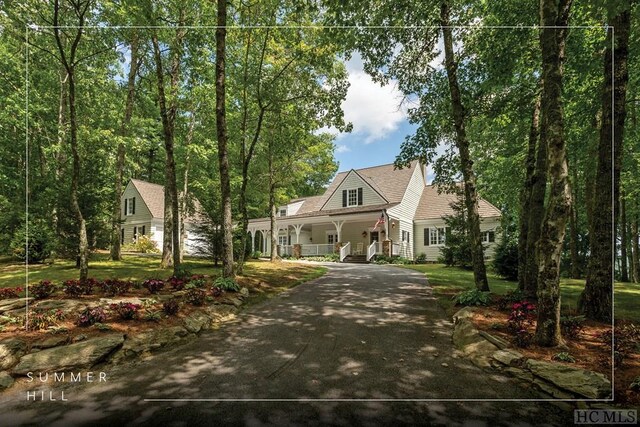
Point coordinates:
pixel 374 236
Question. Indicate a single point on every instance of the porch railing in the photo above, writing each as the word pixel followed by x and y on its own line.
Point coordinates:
pixel 319 249
pixel 285 250
pixel 344 251
pixel 371 250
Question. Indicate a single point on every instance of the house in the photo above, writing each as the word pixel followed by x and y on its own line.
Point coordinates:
pixel 142 205
pixel 369 211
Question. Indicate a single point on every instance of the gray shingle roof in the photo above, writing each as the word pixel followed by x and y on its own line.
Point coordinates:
pixel 153 196
pixel 434 206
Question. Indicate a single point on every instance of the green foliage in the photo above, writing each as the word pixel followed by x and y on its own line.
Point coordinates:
pixel 383 259
pixel 226 284
pixel 182 272
pixel 195 296
pixel 256 255
pixel 91 316
pixel 144 245
pixel 42 289
pixel 505 262
pixel 457 247
pixel 472 297
pixel 572 326
pixel 41 243
pixel 421 258
pixel 563 356
pixel 43 319
pixel 171 307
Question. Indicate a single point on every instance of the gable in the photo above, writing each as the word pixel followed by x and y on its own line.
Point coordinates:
pixel 142 212
pixel 365 193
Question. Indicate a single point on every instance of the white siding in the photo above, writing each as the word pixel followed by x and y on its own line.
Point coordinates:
pixel 406 210
pixel 433 252
pixel 351 182
pixel 292 208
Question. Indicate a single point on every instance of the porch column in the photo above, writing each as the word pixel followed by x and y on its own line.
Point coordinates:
pixel 264 240
pixel 298 228
pixel 338 225
pixel 252 231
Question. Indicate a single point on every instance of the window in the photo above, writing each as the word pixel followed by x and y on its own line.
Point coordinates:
pixel 489 236
pixel 283 211
pixel 282 240
pixel 130 206
pixel 406 236
pixel 135 234
pixel 437 236
pixel 352 197
pixel 332 239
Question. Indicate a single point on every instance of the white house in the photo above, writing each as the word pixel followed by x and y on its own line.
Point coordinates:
pixel 361 209
pixel 142 205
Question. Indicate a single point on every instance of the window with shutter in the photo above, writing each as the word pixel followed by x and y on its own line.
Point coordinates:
pixel 143 230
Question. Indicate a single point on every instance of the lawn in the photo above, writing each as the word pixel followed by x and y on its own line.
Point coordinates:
pixel 266 278
pixel 449 280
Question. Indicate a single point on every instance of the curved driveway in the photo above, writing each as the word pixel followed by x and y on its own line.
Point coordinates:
pixel 359 332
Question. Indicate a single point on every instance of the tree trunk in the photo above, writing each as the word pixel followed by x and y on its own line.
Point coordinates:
pixel 69 62
pixel 595 301
pixel 549 247
pixel 624 243
pixel 221 130
pixel 525 196
pixel 61 158
pixel 471 196
pixel 274 226
pixel 635 249
pixel 185 189
pixel 120 156
pixel 573 229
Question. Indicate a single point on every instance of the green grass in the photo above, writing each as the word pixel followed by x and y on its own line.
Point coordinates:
pixel 449 280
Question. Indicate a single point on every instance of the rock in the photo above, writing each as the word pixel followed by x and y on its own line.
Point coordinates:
pixel 149 341
pixel 79 338
pixel 11 350
pixel 117 300
pixel 197 321
pixel 551 390
pixel 221 313
pixel 498 342
pixel 231 300
pixel 13 304
pixel 80 355
pixel 68 306
pixel 521 374
pixel 6 380
pixel 464 333
pixel 508 357
pixel 467 339
pixel 465 313
pixel 244 292
pixel 446 365
pixel 53 341
pixel 589 384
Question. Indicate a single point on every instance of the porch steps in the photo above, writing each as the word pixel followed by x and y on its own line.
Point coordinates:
pixel 356 259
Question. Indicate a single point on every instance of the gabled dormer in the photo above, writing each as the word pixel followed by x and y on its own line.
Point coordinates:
pixel 354 191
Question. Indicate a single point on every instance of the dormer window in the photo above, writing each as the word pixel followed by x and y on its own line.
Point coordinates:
pixel 352 197
pixel 130 206
pixel 283 211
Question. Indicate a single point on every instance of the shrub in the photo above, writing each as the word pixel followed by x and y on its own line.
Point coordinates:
pixel 523 338
pixel 472 297
pixel 176 283
pixel 507 300
pixel 421 258
pixel 572 326
pixel 195 296
pixel 126 310
pixel 113 287
pixel 226 284
pixel 626 341
pixel 75 288
pixel 564 357
pixel 505 261
pixel 152 315
pixel 182 272
pixel 171 307
pixel 40 243
pixel 91 316
pixel 42 289
pixel 216 291
pixel 256 254
pixel 153 285
pixel 43 319
pixel 145 244
pixel 200 282
pixel 522 315
pixel 7 293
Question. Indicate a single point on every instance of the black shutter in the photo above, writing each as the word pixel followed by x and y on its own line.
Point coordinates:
pixel 125 206
pixel 122 236
pixel 135 234
pixel 134 205
pixel 344 198
pixel 360 196
pixel 492 236
pixel 143 230
pixel 426 236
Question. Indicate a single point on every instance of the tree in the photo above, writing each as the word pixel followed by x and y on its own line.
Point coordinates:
pixel 595 300
pixel 553 19
pixel 221 129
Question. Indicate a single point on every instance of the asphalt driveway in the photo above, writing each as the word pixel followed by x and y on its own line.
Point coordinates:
pixel 359 332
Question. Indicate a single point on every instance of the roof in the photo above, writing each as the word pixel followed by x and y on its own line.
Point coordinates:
pixel 434 206
pixel 153 196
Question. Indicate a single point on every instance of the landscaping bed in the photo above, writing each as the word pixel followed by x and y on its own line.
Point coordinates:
pixel 116 319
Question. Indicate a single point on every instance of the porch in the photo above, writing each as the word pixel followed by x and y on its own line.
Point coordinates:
pixel 356 235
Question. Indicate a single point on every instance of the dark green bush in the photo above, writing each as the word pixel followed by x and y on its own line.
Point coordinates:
pixel 40 243
pixel 472 297
pixel 505 262
pixel 226 284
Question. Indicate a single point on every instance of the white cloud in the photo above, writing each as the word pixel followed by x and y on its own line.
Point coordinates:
pixel 341 148
pixel 373 110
